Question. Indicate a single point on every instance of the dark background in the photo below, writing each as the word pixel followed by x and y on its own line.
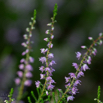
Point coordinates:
pixel 76 21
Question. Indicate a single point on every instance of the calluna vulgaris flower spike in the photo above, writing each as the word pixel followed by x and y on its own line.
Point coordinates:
pixel 73 80
pixel 46 71
pixel 25 67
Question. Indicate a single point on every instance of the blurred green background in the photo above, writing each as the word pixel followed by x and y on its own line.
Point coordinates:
pixel 76 20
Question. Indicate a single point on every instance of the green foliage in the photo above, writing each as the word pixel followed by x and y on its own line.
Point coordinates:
pixel 55 11
pixel 10 96
pixel 98 95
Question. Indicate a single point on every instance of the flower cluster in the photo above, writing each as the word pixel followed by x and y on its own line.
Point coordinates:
pixel 25 67
pixel 73 80
pixel 47 70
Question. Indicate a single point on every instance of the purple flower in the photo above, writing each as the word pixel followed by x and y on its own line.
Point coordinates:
pixel 75 65
pixel 52 62
pixel 37 84
pixel 23 53
pixel 42 76
pixel 50 55
pixel 31 59
pixel 70 98
pixel 17 81
pixel 29 67
pixel 43 50
pixel 27 83
pixel 80 74
pixel 85 67
pixel 77 82
pixel 72 75
pixel 47 93
pixel 67 79
pixel 46 39
pixel 90 38
pixel 67 85
pixel 52 36
pixel 78 55
pixel 47 31
pixel 28 74
pixel 47 69
pixel 50 45
pixel 100 42
pixel 94 51
pixel 41 68
pixel 24 44
pixel 74 90
pixel 50 87
pixel 89 60
pixel 21 66
pixel 42 59
pixel 100 34
pixel 22 60
pixel 50 80
pixel 83 47
pixel 20 73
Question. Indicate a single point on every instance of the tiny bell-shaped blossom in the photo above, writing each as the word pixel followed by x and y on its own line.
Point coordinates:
pixel 29 67
pixel 21 66
pixel 50 45
pixel 28 74
pixel 49 24
pixel 47 93
pixel 31 59
pixel 52 62
pixel 42 76
pixel 42 59
pixel 67 79
pixel 47 32
pixel 75 65
pixel 22 60
pixel 28 83
pixel 89 60
pixel 84 47
pixel 52 36
pixel 80 74
pixel 46 39
pixel 50 87
pixel 100 42
pixel 41 68
pixel 100 34
pixel 72 75
pixel 17 81
pixel 70 98
pixel 43 50
pixel 50 55
pixel 24 44
pixel 20 73
pixel 77 82
pixel 37 84
pixel 78 55
pixel 85 67
pixel 90 38
pixel 94 51
pixel 27 29
pixel 25 36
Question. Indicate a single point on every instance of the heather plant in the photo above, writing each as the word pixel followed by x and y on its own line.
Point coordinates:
pixel 45 90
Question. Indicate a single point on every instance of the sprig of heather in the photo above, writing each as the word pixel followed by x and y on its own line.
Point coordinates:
pixel 10 97
pixel 46 71
pixel 98 95
pixel 73 80
pixel 25 67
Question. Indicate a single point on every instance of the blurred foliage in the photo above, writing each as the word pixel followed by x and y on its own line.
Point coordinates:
pixel 76 20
